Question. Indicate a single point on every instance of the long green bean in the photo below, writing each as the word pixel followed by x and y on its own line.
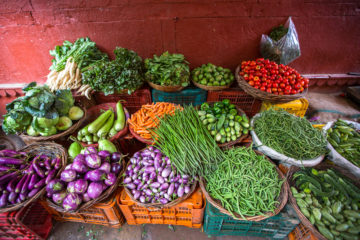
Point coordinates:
pixel 290 135
pixel 245 183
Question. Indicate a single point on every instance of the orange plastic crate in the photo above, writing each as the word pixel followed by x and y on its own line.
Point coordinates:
pixel 106 213
pixel 189 213
pixel 301 233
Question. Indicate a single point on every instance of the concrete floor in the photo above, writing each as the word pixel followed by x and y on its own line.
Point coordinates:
pixel 80 231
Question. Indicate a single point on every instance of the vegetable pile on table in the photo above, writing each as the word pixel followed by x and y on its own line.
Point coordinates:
pixel 41 112
pixel 245 183
pixel 152 178
pixel 70 60
pixel 185 140
pixel 330 202
pixel 85 179
pixel 168 70
pixel 104 127
pixel 346 140
pixel 270 77
pixel 125 72
pixel 147 118
pixel 223 121
pixel 287 134
pixel 211 75
pixel 22 176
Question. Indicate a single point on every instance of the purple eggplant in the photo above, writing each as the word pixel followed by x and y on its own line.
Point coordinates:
pixel 21 183
pixel 127 180
pixel 160 179
pixel 5 168
pixel 68 167
pixel 90 150
pixel 11 153
pixel 40 183
pixel 50 176
pixel 171 189
pixel 163 201
pixel 5 178
pixel 12 184
pixel 68 175
pixel 80 157
pixel 38 170
pixel 187 189
pixel 33 192
pixel 166 172
pixel 142 199
pixel 110 179
pixel 149 169
pixel 116 157
pixel 11 161
pixel 79 166
pixel 33 181
pixel 155 185
pixel 116 168
pixel 85 197
pixel 104 155
pixel 4 199
pixel 71 187
pixel 164 186
pixel 131 186
pixel 23 196
pixel 49 195
pixel 94 190
pixel 95 175
pixel 93 160
pixel 53 161
pixel 54 186
pixel 57 163
pixel 58 198
pixel 71 202
pixel 12 197
pixel 47 163
pixel 81 186
pixel 105 166
pixel 180 191
pixel 137 194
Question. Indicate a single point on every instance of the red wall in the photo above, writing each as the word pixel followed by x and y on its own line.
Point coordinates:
pixel 222 32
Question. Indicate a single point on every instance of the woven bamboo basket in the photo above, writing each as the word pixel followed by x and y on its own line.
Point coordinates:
pixel 30 139
pixel 282 199
pixel 265 96
pixel 157 206
pixel 138 137
pixel 166 88
pixel 50 149
pixel 211 88
pixel 94 112
pixel 90 203
pixel 303 219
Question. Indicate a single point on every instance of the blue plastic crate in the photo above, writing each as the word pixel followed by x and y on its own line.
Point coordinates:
pixel 194 96
pixel 276 227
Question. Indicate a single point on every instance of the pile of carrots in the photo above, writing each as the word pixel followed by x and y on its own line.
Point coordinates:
pixel 148 117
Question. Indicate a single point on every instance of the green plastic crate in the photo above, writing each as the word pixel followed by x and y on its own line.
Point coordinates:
pixel 276 227
pixel 194 96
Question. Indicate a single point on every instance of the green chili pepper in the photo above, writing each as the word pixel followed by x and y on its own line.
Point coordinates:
pixel 204 106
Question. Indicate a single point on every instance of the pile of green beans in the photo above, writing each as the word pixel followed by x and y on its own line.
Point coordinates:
pixel 290 135
pixel 245 183
pixel 186 141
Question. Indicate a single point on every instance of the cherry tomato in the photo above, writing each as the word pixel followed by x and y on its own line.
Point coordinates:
pixel 293 91
pixel 288 88
pixel 282 85
pixel 274 89
pixel 274 85
pixel 263 88
pixel 297 86
pixel 268 90
pixel 251 83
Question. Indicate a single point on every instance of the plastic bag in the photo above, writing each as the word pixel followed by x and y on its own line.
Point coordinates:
pixel 336 158
pixel 283 51
pixel 278 156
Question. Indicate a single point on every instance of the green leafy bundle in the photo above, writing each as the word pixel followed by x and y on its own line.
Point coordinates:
pixel 125 72
pixel 168 70
pixel 83 51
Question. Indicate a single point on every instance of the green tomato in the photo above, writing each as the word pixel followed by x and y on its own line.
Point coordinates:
pixel 216 83
pixel 204 82
pixel 223 83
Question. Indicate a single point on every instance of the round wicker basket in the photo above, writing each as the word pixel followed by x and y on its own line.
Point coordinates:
pixel 166 88
pixel 303 219
pixel 90 203
pixel 138 137
pixel 50 149
pixel 283 197
pixel 265 96
pixel 30 139
pixel 211 88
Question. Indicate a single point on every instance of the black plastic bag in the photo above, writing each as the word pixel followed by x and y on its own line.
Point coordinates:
pixel 284 50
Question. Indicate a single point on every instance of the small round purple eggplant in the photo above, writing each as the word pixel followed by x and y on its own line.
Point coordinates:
pixel 58 198
pixel 68 175
pixel 93 160
pixel 85 197
pixel 81 186
pixel 94 190
pixel 110 179
pixel 90 150
pixel 106 167
pixel 79 166
pixel 104 155
pixel 54 186
pixel 71 202
pixel 116 168
pixel 71 187
pixel 95 175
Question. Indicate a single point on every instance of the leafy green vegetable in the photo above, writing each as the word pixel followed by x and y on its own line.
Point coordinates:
pixel 84 52
pixel 125 72
pixel 16 120
pixel 64 101
pixel 168 70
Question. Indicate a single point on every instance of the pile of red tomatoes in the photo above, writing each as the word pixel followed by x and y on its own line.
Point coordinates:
pixel 273 78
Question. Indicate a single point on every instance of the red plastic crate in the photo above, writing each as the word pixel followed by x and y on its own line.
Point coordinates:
pixel 132 102
pixel 188 213
pixel 237 96
pixel 31 222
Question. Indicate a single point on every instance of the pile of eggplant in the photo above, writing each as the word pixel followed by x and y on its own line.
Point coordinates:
pixel 85 179
pixel 152 178
pixel 22 176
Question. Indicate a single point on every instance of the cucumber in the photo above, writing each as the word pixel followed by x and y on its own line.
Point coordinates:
pixel 334 232
pixel 95 138
pixel 305 212
pixel 349 236
pixel 328 216
pixel 99 122
pixel 352 213
pixel 88 138
pixel 104 130
pixel 84 131
pixel 354 230
pixel 342 227
pixel 337 207
pixel 221 122
pixel 324 231
pixel 316 213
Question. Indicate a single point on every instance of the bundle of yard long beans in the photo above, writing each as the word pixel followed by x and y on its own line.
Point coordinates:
pixel 245 183
pixel 290 135
pixel 186 141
